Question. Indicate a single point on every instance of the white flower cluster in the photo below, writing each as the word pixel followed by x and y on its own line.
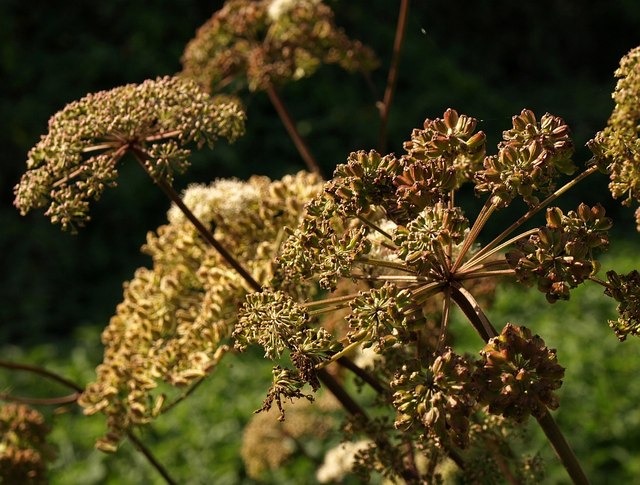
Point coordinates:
pixel 222 200
pixel 339 461
pixel 278 8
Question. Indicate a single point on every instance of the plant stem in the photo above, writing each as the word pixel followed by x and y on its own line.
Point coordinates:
pixel 469 306
pixel 533 211
pixel 330 301
pixel 392 77
pixel 478 258
pixel 139 445
pixel 290 125
pixel 481 323
pixel 446 307
pixel 36 401
pixel 485 274
pixel 384 264
pixel 496 264
pixel 600 282
pixel 141 156
pixel 563 450
pixel 362 374
pixel 117 155
pixel 340 354
pixel 341 395
pixel 481 220
pixel 393 277
pixel 375 227
pixel 328 309
pixel 42 372
pixel 502 465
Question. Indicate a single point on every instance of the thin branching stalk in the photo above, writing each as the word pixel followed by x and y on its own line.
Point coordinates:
pixel 599 281
pixel 345 351
pixel 162 136
pixel 115 158
pixel 485 274
pixel 392 77
pixel 341 394
pixel 446 307
pixel 290 125
pixel 496 264
pixel 103 146
pixel 363 374
pixel 375 227
pixel 424 292
pixel 42 372
pixel 329 301
pixel 41 401
pixel 384 264
pixel 481 220
pixel 192 388
pixel 328 309
pixel 534 210
pixel 140 446
pixel 401 278
pixel 478 258
pixel 502 465
pixel 469 306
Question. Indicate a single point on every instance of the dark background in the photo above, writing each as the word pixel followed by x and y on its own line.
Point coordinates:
pixel 488 59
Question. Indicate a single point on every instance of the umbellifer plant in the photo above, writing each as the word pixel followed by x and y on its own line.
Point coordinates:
pixel 312 271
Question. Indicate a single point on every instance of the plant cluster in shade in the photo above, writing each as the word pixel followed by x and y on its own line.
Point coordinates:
pixel 266 43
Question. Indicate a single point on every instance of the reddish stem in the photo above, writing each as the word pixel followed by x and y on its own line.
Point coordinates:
pixel 290 125
pixel 392 78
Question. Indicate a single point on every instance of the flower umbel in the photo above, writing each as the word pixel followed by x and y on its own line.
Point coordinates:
pixel 518 374
pixel 560 256
pixel 617 148
pixel 78 157
pixel 440 398
pixel 625 289
pixel 269 42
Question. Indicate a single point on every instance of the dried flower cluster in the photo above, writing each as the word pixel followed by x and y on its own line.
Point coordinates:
pixel 560 255
pixel 78 158
pixel 176 317
pixel 439 398
pixel 518 375
pixel 625 289
pixel 269 42
pixel 24 452
pixel 617 148
pixel 532 155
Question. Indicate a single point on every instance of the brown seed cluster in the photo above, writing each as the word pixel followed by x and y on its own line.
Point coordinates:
pixel 269 42
pixel 518 374
pixel 625 289
pixel 560 256
pixel 24 452
pixel 533 154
